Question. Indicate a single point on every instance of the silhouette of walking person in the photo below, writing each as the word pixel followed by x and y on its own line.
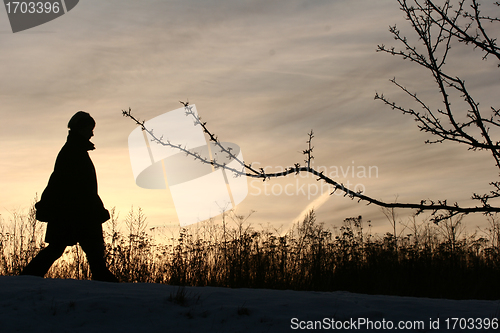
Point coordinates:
pixel 71 205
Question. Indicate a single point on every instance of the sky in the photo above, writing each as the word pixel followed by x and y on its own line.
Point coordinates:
pixel 262 74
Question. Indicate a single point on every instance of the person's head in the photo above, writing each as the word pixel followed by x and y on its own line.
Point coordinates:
pixel 83 124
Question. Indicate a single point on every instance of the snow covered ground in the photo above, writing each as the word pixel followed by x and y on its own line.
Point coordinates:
pixel 31 304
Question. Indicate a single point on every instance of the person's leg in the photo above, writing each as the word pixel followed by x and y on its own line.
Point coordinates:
pixel 44 259
pixel 94 250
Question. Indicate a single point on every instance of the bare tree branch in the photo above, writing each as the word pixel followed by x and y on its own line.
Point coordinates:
pixel 451 21
pixel 436 27
pixel 436 208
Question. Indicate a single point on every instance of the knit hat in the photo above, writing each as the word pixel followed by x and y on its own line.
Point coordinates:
pixel 81 120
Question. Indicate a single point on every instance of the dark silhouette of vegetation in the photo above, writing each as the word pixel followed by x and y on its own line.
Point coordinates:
pixel 425 259
pixel 438 25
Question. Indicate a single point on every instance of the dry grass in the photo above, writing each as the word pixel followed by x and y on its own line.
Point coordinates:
pixel 430 260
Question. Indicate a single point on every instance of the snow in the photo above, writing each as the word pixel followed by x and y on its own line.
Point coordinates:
pixel 30 304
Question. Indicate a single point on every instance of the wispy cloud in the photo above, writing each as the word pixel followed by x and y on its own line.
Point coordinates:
pixel 262 73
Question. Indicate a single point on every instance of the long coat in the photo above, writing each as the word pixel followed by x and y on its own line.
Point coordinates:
pixel 70 202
